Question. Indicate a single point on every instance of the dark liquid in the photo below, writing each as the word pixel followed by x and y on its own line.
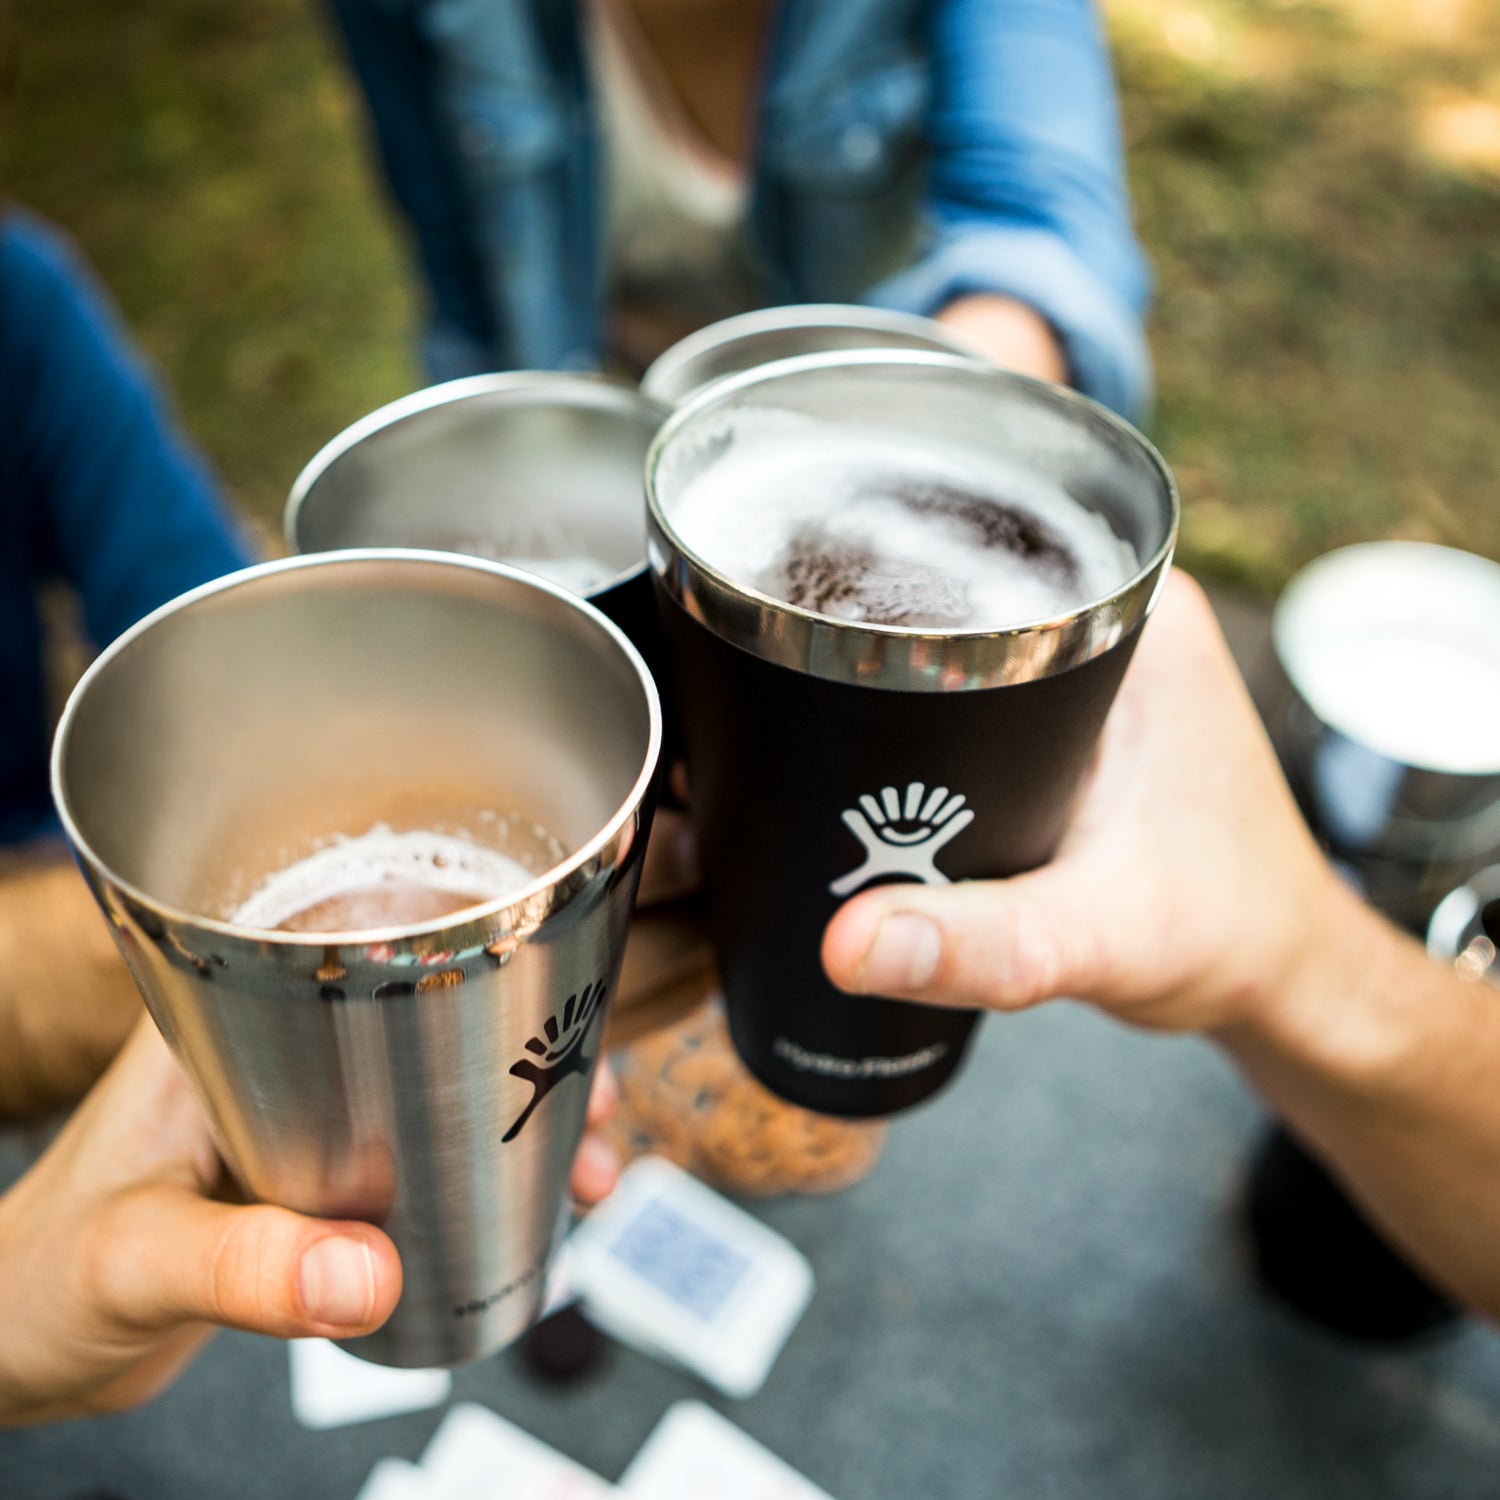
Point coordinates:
pixel 850 580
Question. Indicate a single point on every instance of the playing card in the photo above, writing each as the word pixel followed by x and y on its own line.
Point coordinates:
pixel 695 1454
pixel 561 1291
pixel 332 1389
pixel 476 1455
pixel 667 1264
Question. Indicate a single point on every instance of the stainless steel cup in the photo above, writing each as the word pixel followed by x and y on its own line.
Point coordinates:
pixel 1407 815
pixel 520 466
pixel 826 756
pixel 773 333
pixel 430 1078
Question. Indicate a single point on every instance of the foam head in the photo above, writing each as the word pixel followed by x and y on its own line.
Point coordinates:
pixel 867 525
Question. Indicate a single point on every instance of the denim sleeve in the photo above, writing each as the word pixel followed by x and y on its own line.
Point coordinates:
pixel 132 515
pixel 1027 194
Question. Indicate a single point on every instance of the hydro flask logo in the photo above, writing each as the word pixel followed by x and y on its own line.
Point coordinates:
pixel 902 833
pixel 559 1052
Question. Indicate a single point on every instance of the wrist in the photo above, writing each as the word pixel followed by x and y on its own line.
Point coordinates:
pixel 1347 1008
pixel 1009 333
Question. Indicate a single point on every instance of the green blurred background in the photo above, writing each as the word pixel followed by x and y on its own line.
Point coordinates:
pixel 1317 182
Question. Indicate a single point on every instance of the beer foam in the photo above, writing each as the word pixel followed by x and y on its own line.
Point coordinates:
pixel 349 867
pixel 580 575
pixel 581 572
pixel 578 552
pixel 865 524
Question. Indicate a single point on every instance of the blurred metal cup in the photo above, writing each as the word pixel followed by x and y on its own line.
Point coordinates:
pixel 773 333
pixel 1465 928
pixel 1391 657
pixel 430 1078
pixel 539 469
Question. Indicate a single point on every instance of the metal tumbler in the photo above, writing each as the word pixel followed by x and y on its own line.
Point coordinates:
pixel 525 466
pixel 757 338
pixel 430 1078
pixel 827 756
pixel 1388 723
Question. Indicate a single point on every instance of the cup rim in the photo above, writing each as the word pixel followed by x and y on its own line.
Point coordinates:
pixel 798 315
pixel 485 912
pixel 1143 584
pixel 583 389
pixel 1299 597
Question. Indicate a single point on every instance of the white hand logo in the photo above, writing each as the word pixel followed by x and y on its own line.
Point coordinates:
pixel 902 837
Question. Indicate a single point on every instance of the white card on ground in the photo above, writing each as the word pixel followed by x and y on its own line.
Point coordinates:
pixel 476 1455
pixel 560 1291
pixel 668 1264
pixel 395 1479
pixel 332 1389
pixel 695 1454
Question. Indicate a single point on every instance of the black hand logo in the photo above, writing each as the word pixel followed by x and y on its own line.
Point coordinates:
pixel 559 1053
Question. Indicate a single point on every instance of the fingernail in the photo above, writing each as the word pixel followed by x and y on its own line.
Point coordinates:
pixel 904 956
pixel 338 1281
pixel 606 1092
pixel 597 1157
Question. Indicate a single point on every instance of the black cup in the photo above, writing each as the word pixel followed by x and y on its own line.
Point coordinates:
pixel 826 756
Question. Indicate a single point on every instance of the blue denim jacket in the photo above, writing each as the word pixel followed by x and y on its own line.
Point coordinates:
pixel 98 489
pixel 974 143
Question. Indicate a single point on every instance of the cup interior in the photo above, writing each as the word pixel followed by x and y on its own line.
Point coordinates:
pixel 1396 645
pixel 938 400
pixel 542 469
pixel 251 722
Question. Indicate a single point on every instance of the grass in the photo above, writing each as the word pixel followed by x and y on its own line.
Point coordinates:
pixel 1328 328
pixel 208 157
pixel 1318 185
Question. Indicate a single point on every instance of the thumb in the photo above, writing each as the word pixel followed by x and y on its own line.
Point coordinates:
pixel 995 944
pixel 173 1257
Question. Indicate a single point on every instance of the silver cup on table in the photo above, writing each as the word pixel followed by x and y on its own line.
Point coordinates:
pixel 431 1077
pixel 1388 725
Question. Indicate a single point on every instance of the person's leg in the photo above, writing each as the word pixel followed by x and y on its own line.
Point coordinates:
pixel 393 62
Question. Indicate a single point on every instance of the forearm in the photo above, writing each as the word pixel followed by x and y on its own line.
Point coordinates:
pixel 1026 188
pixel 67 1001
pixel 1388 1067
